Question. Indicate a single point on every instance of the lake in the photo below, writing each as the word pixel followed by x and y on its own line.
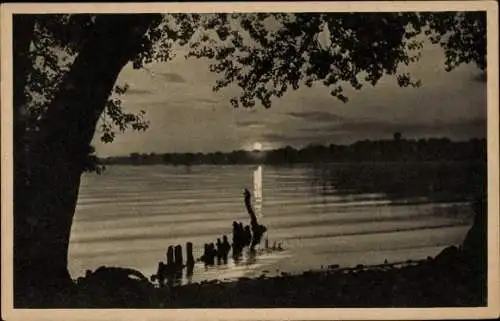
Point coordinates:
pixel 331 214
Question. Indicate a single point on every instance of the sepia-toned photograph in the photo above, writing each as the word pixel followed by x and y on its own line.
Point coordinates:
pixel 187 156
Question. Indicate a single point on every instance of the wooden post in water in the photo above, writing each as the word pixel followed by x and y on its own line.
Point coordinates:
pixel 248 205
pixel 178 255
pixel 170 256
pixel 189 254
pixel 257 229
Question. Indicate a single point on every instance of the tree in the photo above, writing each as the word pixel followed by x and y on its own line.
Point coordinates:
pixel 46 189
pixel 66 68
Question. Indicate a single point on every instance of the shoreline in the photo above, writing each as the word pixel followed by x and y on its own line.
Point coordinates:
pixel 296 260
pixel 448 280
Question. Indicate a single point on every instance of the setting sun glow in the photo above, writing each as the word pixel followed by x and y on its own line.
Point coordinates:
pixel 257 146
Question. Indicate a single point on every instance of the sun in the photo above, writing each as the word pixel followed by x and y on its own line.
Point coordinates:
pixel 257 146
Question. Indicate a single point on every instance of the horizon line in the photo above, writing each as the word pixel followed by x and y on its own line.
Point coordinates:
pixel 304 146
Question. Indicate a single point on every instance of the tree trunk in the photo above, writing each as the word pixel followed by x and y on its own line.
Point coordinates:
pixel 22 36
pixel 57 155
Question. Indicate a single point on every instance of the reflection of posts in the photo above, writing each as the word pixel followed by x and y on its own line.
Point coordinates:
pixel 248 204
pixel 238 238
pixel 219 248
pixel 218 251
pixel 213 253
pixel 189 273
pixel 258 232
pixel 248 236
pixel 209 254
pixel 204 257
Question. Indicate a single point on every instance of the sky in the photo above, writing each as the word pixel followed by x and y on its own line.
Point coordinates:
pixel 185 115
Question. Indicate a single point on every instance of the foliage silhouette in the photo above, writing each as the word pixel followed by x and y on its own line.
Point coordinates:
pixel 65 69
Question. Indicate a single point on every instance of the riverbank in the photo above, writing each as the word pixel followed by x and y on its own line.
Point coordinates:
pixel 449 280
pixel 437 282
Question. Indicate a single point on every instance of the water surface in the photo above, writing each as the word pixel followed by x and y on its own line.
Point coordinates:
pixel 129 215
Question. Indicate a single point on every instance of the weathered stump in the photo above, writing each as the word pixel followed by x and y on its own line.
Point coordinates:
pixel 226 247
pixel 178 261
pixel 170 256
pixel 210 253
pixel 189 254
pixel 160 274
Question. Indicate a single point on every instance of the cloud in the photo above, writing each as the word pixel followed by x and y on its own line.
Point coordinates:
pixel 282 138
pixel 365 126
pixel 171 77
pixel 134 91
pixel 249 124
pixel 317 116
pixel 157 104
pixel 184 103
pixel 300 140
pixel 354 129
pixel 206 100
pixel 274 136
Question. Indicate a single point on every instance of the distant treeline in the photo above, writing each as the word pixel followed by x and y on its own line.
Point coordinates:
pixel 398 149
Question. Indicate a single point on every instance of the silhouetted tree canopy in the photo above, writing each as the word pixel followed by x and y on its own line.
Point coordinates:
pixel 65 71
pixel 265 54
pixel 268 54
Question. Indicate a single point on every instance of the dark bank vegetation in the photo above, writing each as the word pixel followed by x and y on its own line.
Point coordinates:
pixel 403 150
pixel 65 71
pixel 436 168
